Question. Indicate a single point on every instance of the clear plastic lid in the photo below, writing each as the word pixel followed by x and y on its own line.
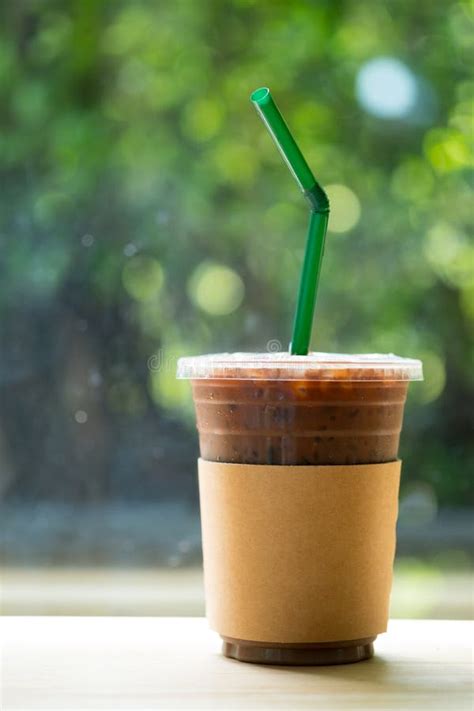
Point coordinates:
pixel 314 366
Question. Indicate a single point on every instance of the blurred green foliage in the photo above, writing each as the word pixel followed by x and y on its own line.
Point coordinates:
pixel 146 212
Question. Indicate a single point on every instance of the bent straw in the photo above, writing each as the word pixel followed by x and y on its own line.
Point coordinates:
pixel 286 144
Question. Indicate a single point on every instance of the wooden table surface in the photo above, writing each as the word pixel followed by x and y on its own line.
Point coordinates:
pixel 175 663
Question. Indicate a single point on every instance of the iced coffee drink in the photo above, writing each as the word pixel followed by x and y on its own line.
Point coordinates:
pixel 320 409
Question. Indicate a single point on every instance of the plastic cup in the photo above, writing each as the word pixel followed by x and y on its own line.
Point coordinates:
pixel 319 409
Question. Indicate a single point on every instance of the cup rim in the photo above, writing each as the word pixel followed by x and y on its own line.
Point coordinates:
pixel 314 366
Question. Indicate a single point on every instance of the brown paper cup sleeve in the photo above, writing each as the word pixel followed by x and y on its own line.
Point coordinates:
pixel 298 554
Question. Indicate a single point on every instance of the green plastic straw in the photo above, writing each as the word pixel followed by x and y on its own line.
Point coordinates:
pixel 303 322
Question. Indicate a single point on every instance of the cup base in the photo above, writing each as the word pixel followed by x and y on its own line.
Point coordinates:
pixel 308 654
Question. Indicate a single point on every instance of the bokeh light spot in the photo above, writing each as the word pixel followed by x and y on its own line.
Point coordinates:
pixel 345 208
pixel 164 388
pixel 87 240
pixel 216 289
pixel 434 374
pixel 461 116
pixel 202 119
pixel 450 255
pixel 235 163
pixel 386 88
pixel 130 250
pixel 142 277
pixel 447 149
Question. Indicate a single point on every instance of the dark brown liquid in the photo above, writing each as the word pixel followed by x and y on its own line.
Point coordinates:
pixel 299 422
pixel 296 423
